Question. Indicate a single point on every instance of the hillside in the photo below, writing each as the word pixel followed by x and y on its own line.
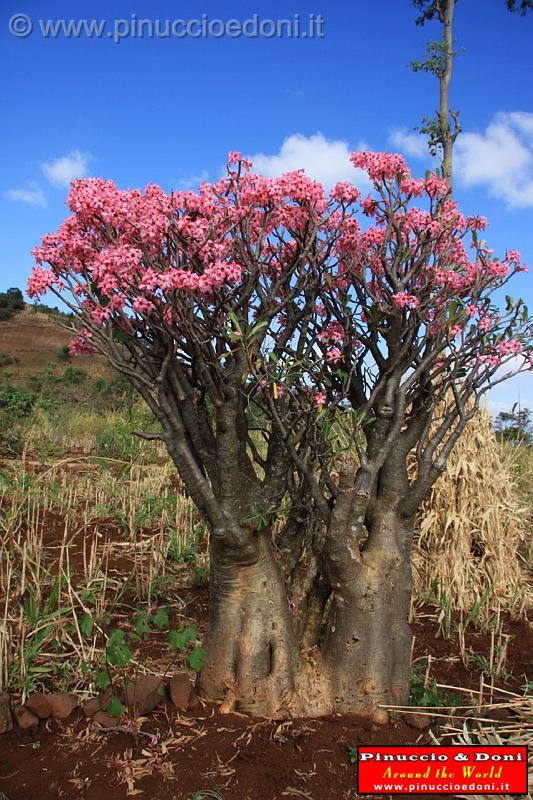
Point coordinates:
pixel 33 340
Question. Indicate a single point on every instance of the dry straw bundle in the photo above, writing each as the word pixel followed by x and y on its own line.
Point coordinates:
pixel 472 531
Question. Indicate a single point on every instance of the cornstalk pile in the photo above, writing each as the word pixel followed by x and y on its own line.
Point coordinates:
pixel 472 531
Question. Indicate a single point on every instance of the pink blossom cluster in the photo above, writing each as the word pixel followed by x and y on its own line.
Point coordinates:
pixel 380 166
pixel 345 192
pixel 81 344
pixel 333 332
pixel 404 300
pixel 126 255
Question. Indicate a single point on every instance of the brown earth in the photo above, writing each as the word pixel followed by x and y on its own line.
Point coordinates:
pixel 238 757
pixel 35 340
pixel 235 757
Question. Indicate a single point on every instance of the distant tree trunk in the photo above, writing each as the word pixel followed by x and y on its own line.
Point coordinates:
pixel 448 136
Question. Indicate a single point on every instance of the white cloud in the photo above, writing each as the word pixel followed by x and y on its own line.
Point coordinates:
pixel 62 171
pixel 325 160
pixel 410 144
pixel 192 181
pixel 33 195
pixel 500 159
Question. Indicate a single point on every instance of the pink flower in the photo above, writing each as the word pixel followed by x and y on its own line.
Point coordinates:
pixel 437 187
pixel 509 347
pixel 413 187
pixel 380 166
pixel 334 355
pixel 334 332
pixel 81 345
pixel 345 192
pixel 320 399
pixel 235 157
pixel 40 281
pixel 476 223
pixel 404 300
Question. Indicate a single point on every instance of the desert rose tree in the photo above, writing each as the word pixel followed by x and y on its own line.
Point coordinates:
pixel 297 349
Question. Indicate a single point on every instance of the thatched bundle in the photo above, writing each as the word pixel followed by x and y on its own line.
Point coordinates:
pixel 473 529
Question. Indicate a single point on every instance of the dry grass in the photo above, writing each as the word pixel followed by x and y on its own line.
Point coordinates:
pixel 81 538
pixel 468 557
pixel 470 551
pixel 517 730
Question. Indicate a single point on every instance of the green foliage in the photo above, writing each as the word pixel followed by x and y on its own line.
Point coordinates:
pixel 424 692
pixel 64 353
pixel 6 360
pixel 179 639
pixel 515 426
pixel 86 624
pixel 520 6
pixel 51 311
pixel 17 402
pixel 74 375
pixel 429 9
pixel 115 707
pixel 160 619
pixel 101 679
pixel 435 60
pixel 197 658
pixel 200 576
pixel 11 302
pixel 118 654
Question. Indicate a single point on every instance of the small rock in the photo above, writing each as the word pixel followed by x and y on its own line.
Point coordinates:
pixel 91 706
pixel 105 720
pixel 38 705
pixel 418 721
pixel 180 690
pixel 6 718
pixel 105 698
pixel 194 703
pixel 62 705
pixel 499 714
pixel 25 719
pixel 143 694
pixel 98 703
pixel 379 718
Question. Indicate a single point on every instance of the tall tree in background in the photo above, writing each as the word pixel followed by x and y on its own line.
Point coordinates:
pixel 522 6
pixel 443 129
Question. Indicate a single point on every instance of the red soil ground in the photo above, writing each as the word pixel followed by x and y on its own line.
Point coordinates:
pixel 239 757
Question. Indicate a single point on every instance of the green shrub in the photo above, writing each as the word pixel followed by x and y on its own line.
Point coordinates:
pixel 74 375
pixel 17 402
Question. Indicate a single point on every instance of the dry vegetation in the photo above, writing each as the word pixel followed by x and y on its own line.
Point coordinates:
pixel 82 533
pixel 95 528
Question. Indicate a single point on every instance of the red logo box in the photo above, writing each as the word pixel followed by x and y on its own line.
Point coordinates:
pixel 472 769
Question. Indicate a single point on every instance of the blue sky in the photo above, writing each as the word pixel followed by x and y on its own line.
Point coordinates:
pixel 168 110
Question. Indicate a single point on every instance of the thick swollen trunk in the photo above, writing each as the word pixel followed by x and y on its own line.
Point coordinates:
pixel 255 663
pixel 253 656
pixel 367 647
